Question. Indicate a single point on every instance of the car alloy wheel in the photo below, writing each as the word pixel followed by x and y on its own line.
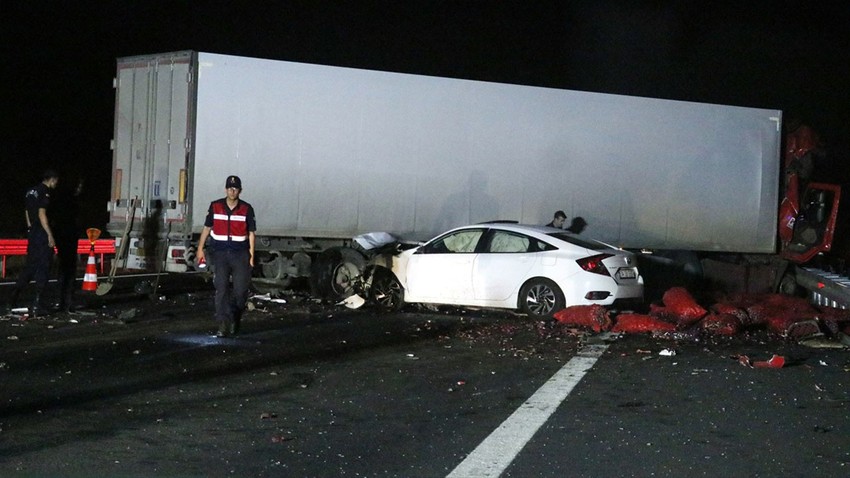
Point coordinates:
pixel 386 292
pixel 540 298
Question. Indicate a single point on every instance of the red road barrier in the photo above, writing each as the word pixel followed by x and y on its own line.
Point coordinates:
pixel 18 247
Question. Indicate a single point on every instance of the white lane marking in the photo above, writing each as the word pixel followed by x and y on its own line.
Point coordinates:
pixel 499 449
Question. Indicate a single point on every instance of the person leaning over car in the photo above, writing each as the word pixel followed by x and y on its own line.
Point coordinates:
pixel 558 220
pixel 230 223
pixel 577 225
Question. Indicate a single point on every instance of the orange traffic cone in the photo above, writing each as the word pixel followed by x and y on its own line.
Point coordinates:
pixel 90 279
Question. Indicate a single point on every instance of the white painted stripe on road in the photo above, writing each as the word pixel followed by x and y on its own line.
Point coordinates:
pixel 499 449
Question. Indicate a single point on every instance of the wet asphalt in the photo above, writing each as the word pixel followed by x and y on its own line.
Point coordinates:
pixel 136 385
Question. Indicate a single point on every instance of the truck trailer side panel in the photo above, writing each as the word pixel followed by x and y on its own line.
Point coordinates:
pixel 333 152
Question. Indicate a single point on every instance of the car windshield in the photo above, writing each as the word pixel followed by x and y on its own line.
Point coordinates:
pixel 585 243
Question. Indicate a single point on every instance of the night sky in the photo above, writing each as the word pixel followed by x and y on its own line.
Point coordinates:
pixel 59 60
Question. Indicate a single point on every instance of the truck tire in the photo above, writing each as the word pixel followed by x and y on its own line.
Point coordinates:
pixel 335 272
pixel 274 265
pixel 789 286
pixel 386 292
pixel 539 298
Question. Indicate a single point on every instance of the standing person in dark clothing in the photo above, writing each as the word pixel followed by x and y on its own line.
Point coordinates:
pixel 63 215
pixel 40 241
pixel 558 220
pixel 230 223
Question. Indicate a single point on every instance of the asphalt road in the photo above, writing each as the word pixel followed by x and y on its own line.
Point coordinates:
pixel 139 387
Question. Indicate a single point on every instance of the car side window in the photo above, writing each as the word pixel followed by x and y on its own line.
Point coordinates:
pixel 504 241
pixel 457 242
pixel 544 246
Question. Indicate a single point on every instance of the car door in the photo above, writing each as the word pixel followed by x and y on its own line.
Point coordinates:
pixel 503 263
pixel 441 271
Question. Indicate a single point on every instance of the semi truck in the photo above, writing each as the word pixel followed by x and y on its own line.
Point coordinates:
pixel 327 154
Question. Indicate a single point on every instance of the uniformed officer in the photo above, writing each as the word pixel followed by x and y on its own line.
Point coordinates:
pixel 230 223
pixel 40 241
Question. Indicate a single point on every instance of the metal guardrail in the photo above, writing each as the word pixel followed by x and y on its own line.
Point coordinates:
pixel 18 247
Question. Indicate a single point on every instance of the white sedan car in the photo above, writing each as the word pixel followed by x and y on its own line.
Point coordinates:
pixel 538 270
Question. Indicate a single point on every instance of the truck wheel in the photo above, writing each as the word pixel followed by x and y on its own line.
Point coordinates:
pixel 386 292
pixel 788 285
pixel 274 265
pixel 540 298
pixel 335 272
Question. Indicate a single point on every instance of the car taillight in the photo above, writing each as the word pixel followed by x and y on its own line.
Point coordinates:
pixel 594 264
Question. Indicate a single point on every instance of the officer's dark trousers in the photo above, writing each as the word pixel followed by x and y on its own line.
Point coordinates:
pixel 36 268
pixel 231 279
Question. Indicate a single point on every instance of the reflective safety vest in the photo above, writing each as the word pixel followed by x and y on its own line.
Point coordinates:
pixel 229 225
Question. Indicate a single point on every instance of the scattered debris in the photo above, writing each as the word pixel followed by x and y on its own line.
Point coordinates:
pixel 269 298
pixel 721 324
pixel 460 383
pixel 822 342
pixel 777 361
pixel 128 314
pixel 690 335
pixel 602 338
pixel 353 302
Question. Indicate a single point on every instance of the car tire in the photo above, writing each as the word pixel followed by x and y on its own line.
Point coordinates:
pixel 540 298
pixel 386 292
pixel 335 272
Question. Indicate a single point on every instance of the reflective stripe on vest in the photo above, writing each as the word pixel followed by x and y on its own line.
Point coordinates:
pixel 229 227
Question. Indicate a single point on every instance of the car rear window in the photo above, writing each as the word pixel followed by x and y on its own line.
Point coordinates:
pixel 585 243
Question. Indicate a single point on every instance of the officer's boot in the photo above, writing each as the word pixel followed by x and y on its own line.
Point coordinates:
pixel 224 328
pixel 69 301
pixel 236 321
pixel 65 302
pixel 35 309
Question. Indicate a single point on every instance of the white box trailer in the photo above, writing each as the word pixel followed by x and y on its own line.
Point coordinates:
pixel 327 153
